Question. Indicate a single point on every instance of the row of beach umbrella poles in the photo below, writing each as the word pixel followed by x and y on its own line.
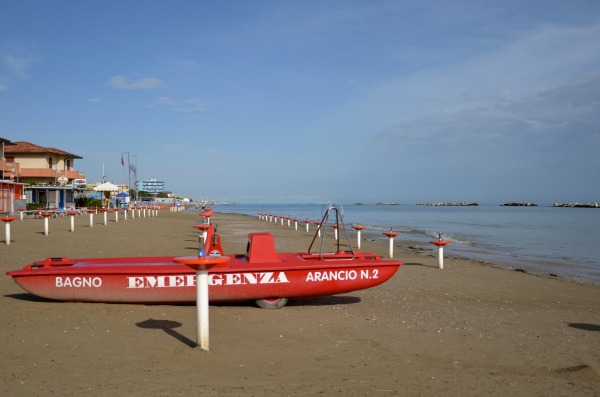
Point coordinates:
pixel 142 211
pixel 358 227
pixel 273 218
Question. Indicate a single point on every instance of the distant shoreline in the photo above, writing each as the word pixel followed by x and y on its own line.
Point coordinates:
pixel 429 204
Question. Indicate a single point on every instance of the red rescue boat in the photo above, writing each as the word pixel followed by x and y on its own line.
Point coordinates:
pixel 261 275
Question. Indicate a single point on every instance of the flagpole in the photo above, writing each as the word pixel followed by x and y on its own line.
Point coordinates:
pixel 133 168
pixel 128 174
pixel 137 195
pixel 128 170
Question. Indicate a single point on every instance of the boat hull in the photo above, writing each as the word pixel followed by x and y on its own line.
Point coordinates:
pixel 157 280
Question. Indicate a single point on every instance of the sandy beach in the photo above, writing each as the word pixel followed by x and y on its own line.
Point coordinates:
pixel 469 329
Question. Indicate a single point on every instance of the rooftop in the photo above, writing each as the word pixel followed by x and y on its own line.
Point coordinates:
pixel 22 147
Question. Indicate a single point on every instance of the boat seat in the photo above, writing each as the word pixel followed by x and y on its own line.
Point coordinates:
pixel 261 248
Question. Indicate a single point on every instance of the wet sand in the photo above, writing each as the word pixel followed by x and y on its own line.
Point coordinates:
pixel 466 330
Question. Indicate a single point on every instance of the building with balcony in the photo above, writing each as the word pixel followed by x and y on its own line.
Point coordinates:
pixel 39 165
pixel 48 173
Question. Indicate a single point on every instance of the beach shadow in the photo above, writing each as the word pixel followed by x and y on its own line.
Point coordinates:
pixel 317 301
pixel 418 264
pixel 167 326
pixel 325 301
pixel 585 327
pixel 30 298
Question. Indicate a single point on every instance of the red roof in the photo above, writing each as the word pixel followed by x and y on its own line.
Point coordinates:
pixel 26 147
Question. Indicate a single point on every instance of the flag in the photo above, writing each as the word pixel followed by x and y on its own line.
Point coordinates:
pixel 132 169
pixel 122 161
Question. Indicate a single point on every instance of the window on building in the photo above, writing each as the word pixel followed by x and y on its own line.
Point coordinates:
pixel 49 162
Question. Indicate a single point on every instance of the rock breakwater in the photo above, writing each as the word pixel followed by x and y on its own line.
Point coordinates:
pixel 577 205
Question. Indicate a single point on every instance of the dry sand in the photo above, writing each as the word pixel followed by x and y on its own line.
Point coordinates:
pixel 466 330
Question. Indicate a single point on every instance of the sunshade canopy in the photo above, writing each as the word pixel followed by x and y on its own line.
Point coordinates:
pixel 106 187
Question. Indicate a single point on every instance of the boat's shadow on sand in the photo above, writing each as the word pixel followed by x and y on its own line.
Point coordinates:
pixel 30 298
pixel 324 301
pixel 297 302
pixel 319 301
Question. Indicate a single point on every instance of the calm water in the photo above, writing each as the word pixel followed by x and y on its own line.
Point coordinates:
pixel 563 241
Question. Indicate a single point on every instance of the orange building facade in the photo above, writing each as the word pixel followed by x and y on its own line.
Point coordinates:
pixel 32 173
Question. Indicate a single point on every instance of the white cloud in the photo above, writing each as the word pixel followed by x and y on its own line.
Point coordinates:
pixel 162 101
pixel 17 65
pixel 123 83
pixel 191 105
pixel 532 132
pixel 522 67
pixel 186 65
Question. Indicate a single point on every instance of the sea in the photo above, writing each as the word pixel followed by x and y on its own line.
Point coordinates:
pixel 547 240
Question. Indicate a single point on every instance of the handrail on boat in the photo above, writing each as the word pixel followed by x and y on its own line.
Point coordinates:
pixel 338 211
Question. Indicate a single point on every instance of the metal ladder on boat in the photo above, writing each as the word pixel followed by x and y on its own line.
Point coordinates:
pixel 336 212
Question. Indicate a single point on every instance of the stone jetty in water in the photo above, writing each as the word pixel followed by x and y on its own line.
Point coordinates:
pixel 577 205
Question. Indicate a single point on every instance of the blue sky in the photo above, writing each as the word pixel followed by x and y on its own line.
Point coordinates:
pixel 347 100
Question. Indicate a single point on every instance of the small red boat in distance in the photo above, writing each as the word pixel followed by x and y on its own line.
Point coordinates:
pixel 261 275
